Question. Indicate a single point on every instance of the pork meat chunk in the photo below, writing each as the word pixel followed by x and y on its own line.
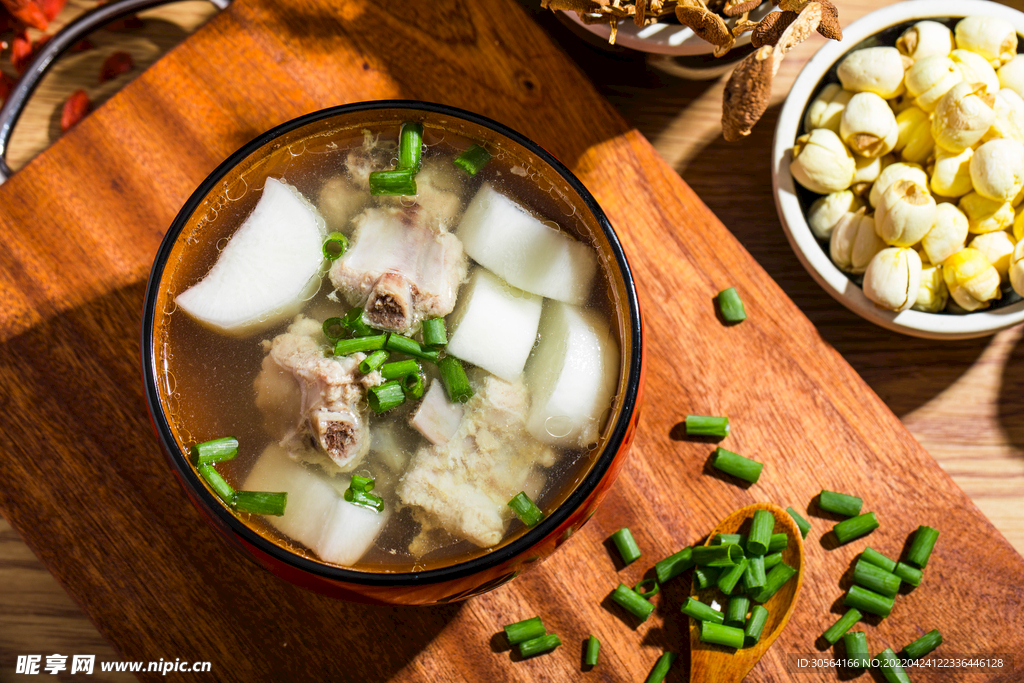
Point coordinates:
pixel 465 484
pixel 312 403
pixel 400 269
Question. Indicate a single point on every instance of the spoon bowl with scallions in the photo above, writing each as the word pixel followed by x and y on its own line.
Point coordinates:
pixel 742 597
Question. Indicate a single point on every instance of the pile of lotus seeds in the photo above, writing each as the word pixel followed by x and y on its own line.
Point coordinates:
pixel 920 157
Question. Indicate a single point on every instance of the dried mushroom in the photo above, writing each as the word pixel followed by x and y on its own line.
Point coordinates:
pixel 749 88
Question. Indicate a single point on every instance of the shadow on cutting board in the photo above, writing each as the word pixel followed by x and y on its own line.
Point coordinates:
pixel 87 486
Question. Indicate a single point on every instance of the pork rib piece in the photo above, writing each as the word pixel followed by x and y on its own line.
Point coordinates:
pixel 465 484
pixel 310 401
pixel 404 270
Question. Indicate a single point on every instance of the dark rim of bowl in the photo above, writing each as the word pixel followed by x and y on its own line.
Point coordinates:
pixel 456 571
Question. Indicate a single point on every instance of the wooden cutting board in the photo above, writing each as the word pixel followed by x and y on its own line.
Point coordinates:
pixel 86 486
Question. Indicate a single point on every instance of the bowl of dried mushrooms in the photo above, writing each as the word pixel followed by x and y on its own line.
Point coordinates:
pixel 898 168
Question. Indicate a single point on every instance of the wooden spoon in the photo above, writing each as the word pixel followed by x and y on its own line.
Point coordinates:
pixel 717 664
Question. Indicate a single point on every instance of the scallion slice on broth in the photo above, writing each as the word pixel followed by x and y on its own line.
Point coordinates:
pixel 410 146
pixel 217 483
pixel 384 397
pixel 216 450
pixel 335 246
pixel 525 509
pixel 454 379
pixel 473 159
pixel 260 502
pixel 364 499
pixel 400 182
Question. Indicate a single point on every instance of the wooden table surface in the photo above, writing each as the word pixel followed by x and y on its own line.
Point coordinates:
pixel 962 400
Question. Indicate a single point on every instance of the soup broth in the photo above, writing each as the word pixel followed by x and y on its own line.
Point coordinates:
pixel 218 380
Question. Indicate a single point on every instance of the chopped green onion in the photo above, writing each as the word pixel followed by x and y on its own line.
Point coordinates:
pixel 921 546
pixel 260 502
pixel 772 560
pixel 593 650
pixel 842 625
pixel 364 499
pixel 706 576
pixel 778 543
pixel 674 565
pixel 400 182
pixel 755 625
pixel 736 610
pixel 217 450
pixel 730 539
pixel 473 159
pixel 909 574
pixel 335 245
pixel 364 484
pixel 840 503
pixel 524 630
pixel 868 601
pixel 539 646
pixel 410 347
pixel 754 577
pixel 345 347
pixel 373 361
pixel 399 368
pixel 434 332
pixel 719 634
pixel 776 579
pixel 626 545
pixel 855 527
pixel 731 305
pixel 334 329
pixel 661 667
pixel 875 578
pixel 717 555
pixel 384 397
pixel 704 425
pixel 525 509
pixel 412 385
pixel 410 146
pixel 641 588
pixel 923 645
pixel 629 600
pixel 701 612
pixel 354 323
pixel 217 483
pixel 889 664
pixel 878 559
pixel 736 465
pixel 760 532
pixel 856 645
pixel 453 377
pixel 801 523
pixel 731 576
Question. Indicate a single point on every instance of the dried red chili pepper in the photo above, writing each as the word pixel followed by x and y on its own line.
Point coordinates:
pixel 23 52
pixel 75 109
pixel 115 65
pixel 82 46
pixel 51 8
pixel 27 12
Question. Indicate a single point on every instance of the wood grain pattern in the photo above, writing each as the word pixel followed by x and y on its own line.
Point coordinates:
pixel 86 486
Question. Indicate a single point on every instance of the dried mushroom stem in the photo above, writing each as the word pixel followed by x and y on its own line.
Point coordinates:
pixel 744 25
pixel 747 93
pixel 734 8
pixel 707 25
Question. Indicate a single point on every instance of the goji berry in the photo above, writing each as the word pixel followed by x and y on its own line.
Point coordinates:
pixel 75 109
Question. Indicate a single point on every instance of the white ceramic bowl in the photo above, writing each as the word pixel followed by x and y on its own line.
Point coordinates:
pixel 816 259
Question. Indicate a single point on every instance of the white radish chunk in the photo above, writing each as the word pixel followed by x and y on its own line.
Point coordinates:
pixel 573 372
pixel 265 271
pixel 437 418
pixel 493 328
pixel 504 238
pixel 316 514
